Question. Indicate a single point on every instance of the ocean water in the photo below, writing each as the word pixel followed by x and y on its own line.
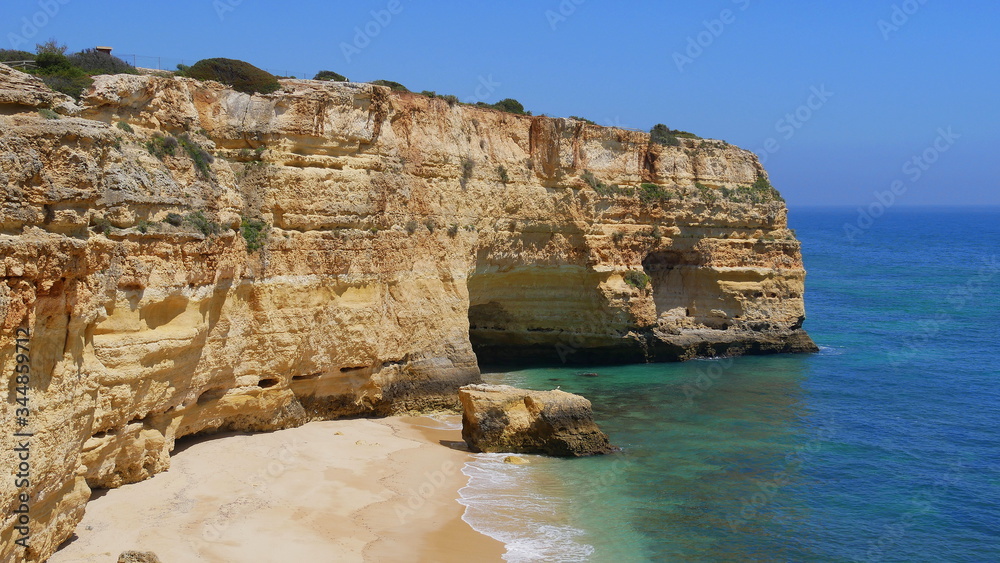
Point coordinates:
pixel 882 447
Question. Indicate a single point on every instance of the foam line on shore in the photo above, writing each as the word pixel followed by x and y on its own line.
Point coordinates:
pixel 512 504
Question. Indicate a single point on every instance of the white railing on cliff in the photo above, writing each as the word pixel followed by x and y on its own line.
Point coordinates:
pixel 21 64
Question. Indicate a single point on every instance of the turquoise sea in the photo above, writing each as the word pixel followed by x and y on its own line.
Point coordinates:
pixel 882 447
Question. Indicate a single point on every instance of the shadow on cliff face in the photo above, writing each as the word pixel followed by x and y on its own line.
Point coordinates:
pixel 546 316
pixel 666 271
pixel 573 315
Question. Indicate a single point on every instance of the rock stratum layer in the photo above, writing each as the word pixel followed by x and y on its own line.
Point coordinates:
pixel 398 237
pixel 505 419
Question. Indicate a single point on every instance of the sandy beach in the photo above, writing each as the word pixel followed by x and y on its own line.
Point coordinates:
pixel 347 490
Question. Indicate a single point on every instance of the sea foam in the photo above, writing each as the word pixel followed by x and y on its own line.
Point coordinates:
pixel 510 504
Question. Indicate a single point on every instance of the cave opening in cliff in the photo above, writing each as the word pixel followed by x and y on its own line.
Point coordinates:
pixel 493 305
pixel 666 271
pixel 538 315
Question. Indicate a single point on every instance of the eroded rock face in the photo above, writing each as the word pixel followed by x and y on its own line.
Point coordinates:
pixel 505 419
pixel 20 89
pixel 399 236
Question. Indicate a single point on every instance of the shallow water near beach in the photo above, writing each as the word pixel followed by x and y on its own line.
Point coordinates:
pixel 882 447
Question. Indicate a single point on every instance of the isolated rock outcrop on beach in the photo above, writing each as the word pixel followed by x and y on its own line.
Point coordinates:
pixel 505 419
pixel 182 258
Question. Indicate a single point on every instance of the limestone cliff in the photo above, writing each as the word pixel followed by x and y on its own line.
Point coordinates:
pixel 397 235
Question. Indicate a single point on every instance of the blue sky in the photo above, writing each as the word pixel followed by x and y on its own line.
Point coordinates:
pixel 922 84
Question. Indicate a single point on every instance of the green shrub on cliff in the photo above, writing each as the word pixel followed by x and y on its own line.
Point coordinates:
pixel 764 191
pixel 707 194
pixel 329 75
pixel 205 225
pixel 600 187
pixel 394 86
pixel 637 279
pixel 649 193
pixel 762 185
pixel 760 192
pixel 240 75
pixel 160 146
pixel 254 232
pixel 201 158
pixel 55 69
pixel 10 55
pixel 510 105
pixel 102 225
pixel 70 75
pixel 468 165
pixel 95 62
pixel 52 62
pixel 661 134
pixel 51 46
pixel 452 100
pixel 72 82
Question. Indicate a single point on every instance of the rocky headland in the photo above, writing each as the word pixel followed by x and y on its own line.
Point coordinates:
pixel 180 258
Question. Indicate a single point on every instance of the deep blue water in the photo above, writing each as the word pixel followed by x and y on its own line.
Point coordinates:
pixel 883 447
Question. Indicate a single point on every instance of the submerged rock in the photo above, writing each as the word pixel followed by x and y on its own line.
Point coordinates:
pixel 500 418
pixel 515 460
